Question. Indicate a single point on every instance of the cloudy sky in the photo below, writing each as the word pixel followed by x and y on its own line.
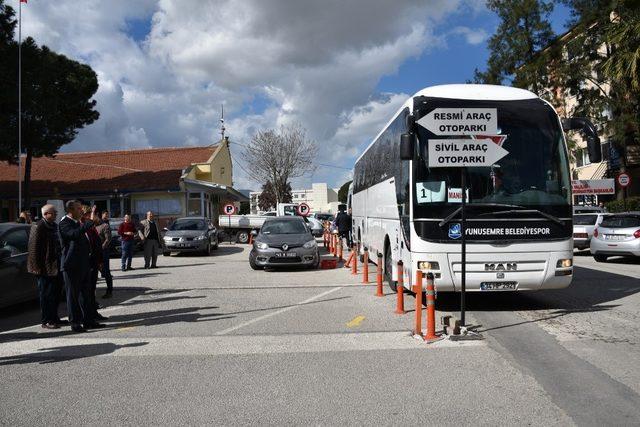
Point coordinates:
pixel 340 68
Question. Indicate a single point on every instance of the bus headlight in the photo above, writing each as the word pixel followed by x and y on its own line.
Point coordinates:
pixel 428 265
pixel 564 263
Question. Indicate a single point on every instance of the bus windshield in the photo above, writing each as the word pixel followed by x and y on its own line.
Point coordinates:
pixel 535 173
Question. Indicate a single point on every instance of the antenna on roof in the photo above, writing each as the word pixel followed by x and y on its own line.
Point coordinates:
pixel 222 128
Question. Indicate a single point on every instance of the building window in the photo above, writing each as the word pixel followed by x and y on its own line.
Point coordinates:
pixel 158 207
pixel 194 207
pixel 606 154
pixel 222 170
pixel 582 157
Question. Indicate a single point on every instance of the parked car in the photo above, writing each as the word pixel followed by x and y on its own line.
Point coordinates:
pixel 587 209
pixel 324 216
pixel 190 234
pixel 583 226
pixel 315 225
pixel 284 241
pixel 16 284
pixel 617 234
pixel 115 246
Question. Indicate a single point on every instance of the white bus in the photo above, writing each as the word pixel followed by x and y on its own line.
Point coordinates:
pixel 519 214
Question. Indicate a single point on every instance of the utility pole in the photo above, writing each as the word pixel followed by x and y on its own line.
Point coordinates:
pixel 19 106
pixel 222 128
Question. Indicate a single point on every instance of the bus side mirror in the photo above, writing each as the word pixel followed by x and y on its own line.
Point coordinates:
pixel 591 134
pixel 407 146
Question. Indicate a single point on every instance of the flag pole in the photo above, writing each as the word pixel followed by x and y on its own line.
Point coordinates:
pixel 19 106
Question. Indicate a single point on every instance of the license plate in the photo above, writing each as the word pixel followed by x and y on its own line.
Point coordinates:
pixel 498 286
pixel 182 245
pixel 286 255
pixel 615 237
pixel 580 235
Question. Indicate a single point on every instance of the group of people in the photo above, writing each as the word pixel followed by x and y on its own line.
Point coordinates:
pixel 72 252
pixel 150 235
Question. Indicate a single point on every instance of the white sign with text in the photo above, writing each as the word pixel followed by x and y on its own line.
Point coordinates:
pixel 461 121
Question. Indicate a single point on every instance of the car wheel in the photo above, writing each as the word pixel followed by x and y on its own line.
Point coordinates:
pixel 208 251
pixel 166 253
pixel 252 263
pixel 243 236
pixel 600 258
pixel 388 269
pixel 316 264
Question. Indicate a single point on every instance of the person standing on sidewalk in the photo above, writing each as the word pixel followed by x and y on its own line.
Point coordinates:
pixel 343 222
pixel 76 266
pixel 127 231
pixel 43 260
pixel 150 235
pixel 95 259
pixel 104 231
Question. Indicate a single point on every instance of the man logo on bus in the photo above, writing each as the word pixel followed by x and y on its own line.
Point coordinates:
pixel 455 231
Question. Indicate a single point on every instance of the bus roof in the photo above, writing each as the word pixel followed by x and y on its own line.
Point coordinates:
pixel 461 91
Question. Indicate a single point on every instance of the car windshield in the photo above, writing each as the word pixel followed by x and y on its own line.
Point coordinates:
pixel 620 222
pixel 585 219
pixel 283 227
pixel 188 225
pixel 534 173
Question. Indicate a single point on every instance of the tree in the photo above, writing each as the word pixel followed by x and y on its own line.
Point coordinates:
pixel 267 200
pixel 343 192
pixel 287 197
pixel 524 31
pixel 600 69
pixel 624 62
pixel 56 99
pixel 278 156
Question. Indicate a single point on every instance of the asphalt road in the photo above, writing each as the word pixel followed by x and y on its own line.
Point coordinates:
pixel 206 340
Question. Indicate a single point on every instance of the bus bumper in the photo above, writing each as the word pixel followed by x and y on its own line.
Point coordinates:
pixel 495 271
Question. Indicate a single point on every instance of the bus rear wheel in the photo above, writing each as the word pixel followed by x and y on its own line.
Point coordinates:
pixel 388 269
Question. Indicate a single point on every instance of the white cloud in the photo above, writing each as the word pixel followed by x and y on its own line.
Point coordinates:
pixel 316 63
pixel 473 36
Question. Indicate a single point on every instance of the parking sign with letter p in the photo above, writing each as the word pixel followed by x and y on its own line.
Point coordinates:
pixel 303 209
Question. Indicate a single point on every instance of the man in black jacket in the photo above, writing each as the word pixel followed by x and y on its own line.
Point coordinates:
pixel 43 260
pixel 76 267
pixel 343 222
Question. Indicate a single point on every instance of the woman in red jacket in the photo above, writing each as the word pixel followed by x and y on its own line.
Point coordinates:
pixel 127 231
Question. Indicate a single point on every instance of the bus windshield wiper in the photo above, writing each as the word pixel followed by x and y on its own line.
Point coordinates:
pixel 477 205
pixel 511 211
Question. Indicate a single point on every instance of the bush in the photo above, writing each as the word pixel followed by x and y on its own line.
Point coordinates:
pixel 633 204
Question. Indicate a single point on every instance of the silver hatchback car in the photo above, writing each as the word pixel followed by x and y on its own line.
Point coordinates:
pixel 617 234
pixel 284 241
pixel 583 226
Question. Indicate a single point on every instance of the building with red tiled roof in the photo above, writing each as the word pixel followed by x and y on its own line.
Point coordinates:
pixel 171 182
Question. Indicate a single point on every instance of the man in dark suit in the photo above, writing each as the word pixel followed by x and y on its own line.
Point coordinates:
pixel 76 267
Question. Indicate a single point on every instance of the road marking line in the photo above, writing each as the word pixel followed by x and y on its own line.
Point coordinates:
pixel 356 321
pixel 75 347
pixel 283 310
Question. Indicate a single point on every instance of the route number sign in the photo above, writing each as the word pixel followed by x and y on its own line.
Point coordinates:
pixel 623 179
